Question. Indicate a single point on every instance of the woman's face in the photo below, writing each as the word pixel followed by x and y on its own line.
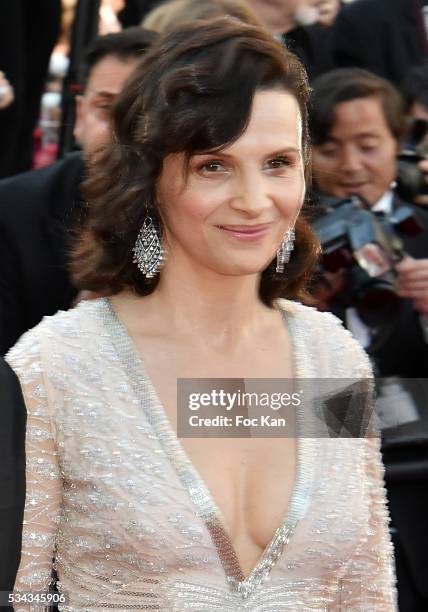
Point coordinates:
pixel 229 211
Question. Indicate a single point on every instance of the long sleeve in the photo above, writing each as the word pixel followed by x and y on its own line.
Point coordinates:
pixel 369 581
pixel 43 495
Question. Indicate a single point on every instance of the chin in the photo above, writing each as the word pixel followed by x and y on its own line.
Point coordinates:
pixel 243 268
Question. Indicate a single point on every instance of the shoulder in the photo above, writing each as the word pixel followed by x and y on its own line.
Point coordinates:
pixel 62 353
pixel 333 349
pixel 74 330
pixel 361 17
pixel 310 316
pixel 59 361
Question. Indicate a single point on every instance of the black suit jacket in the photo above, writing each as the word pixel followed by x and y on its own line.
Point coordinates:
pixel 37 210
pixel 135 11
pixel 313 46
pixel 12 475
pixel 384 36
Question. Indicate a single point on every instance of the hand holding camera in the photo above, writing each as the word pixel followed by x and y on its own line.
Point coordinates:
pixel 365 252
pixel 422 166
pixel 412 282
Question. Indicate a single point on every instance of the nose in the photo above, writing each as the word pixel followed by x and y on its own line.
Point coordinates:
pixel 350 159
pixel 250 194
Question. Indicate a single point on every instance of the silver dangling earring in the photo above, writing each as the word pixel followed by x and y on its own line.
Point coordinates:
pixel 148 251
pixel 284 251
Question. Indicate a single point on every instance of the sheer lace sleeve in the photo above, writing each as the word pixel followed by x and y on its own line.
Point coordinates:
pixel 368 584
pixel 43 493
pixel 369 581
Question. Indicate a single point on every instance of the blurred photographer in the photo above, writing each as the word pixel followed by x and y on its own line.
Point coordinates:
pixel 357 126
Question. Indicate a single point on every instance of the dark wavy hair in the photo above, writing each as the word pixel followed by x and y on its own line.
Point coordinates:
pixel 191 93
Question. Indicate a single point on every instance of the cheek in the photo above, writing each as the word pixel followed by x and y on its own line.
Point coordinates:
pixel 300 192
pixel 185 213
pixel 384 165
pixel 202 200
pixel 100 128
pixel 290 198
pixel 96 124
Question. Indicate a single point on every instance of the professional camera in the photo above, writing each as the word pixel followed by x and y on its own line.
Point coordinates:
pixel 410 180
pixel 368 246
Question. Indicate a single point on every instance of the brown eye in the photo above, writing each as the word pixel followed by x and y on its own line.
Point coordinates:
pixel 279 162
pixel 212 166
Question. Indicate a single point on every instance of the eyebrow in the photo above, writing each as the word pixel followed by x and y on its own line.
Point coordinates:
pixel 104 94
pixel 362 135
pixel 297 150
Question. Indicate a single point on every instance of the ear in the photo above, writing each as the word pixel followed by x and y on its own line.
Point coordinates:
pixel 78 127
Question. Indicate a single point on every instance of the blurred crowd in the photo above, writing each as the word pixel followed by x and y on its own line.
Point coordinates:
pixel 387 37
pixel 367 64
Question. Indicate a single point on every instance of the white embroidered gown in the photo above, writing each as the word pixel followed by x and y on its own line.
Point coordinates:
pixel 133 526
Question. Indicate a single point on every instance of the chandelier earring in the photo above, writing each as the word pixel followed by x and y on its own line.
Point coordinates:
pixel 284 251
pixel 148 251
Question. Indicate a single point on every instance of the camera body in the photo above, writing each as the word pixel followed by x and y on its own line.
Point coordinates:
pixel 367 245
pixel 410 180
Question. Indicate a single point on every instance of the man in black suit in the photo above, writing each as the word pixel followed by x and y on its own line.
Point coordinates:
pixel 384 36
pixel 356 124
pixel 39 209
pixel 12 475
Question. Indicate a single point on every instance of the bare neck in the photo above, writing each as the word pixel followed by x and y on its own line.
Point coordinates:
pixel 218 308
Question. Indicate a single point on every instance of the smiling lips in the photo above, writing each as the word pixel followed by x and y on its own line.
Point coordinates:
pixel 246 232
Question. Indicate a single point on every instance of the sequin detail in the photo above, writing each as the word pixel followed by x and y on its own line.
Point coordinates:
pixel 132 522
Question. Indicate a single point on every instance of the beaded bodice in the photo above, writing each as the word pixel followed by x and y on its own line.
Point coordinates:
pixel 111 492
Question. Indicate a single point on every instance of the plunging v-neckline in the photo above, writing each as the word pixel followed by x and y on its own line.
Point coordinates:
pixel 199 493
